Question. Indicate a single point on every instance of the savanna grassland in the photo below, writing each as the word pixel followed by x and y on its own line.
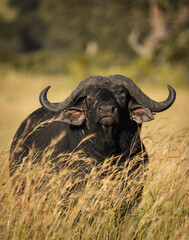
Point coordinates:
pixel 46 209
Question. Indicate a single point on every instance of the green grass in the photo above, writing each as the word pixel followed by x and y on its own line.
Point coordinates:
pixel 47 210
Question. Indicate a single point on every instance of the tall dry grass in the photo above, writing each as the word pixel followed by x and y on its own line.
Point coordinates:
pixel 84 201
pixel 45 208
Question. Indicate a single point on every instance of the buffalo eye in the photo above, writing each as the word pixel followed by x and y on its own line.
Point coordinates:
pixel 89 99
pixel 121 97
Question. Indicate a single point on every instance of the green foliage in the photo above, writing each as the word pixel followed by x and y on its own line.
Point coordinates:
pixel 26 6
pixel 79 66
pixel 54 36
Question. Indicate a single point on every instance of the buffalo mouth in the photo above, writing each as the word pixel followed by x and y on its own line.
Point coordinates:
pixel 107 121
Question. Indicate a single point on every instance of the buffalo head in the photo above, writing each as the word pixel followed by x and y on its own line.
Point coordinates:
pixel 106 101
pixel 111 109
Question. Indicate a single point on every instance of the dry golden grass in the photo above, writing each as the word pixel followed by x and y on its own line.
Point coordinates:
pixel 86 202
pixel 48 208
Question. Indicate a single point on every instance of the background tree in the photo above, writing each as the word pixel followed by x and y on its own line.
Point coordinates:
pixel 124 28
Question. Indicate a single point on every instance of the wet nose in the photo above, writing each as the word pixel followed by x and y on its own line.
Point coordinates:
pixel 106 108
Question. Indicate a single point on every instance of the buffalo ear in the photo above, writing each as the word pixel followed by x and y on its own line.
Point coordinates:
pixel 140 114
pixel 72 116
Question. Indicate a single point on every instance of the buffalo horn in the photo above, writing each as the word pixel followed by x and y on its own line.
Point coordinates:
pixel 78 92
pixel 134 90
pixel 142 98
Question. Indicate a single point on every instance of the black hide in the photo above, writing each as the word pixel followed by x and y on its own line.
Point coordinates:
pixel 105 112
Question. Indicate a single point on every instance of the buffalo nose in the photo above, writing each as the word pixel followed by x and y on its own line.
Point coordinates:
pixel 106 108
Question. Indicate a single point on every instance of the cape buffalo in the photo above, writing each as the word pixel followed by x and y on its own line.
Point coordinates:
pixel 109 109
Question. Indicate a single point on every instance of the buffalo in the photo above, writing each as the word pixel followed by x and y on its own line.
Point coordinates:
pixel 102 117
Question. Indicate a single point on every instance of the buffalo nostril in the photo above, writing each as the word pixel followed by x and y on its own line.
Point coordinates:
pixel 99 109
pixel 113 109
pixel 107 108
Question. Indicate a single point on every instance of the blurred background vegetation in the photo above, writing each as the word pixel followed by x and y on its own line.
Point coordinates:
pixel 59 43
pixel 139 38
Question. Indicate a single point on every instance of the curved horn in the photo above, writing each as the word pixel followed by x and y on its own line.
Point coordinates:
pixel 142 98
pixel 78 92
pixel 53 107
pixel 134 90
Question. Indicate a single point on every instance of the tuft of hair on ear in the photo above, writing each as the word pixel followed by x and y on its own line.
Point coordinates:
pixel 72 116
pixel 141 114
